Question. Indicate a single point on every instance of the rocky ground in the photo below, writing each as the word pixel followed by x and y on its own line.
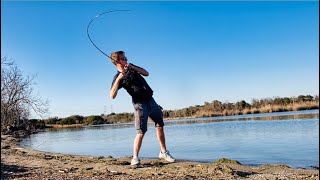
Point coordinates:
pixel 21 163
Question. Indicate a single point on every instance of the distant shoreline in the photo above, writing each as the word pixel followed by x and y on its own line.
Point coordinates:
pixel 57 126
pixel 263 109
pixel 208 109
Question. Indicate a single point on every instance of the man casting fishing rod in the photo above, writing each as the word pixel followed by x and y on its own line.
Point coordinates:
pixel 129 77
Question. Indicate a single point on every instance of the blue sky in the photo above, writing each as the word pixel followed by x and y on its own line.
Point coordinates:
pixel 195 52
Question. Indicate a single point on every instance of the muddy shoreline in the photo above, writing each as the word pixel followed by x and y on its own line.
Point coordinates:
pixel 21 163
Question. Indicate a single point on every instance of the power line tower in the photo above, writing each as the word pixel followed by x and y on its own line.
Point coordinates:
pixel 105 110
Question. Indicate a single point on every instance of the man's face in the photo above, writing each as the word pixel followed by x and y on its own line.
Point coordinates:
pixel 122 59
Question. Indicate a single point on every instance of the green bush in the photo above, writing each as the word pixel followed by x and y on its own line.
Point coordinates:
pixel 93 120
pixel 75 119
pixel 53 120
pixel 37 124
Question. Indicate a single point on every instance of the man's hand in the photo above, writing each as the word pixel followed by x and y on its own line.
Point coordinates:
pixel 140 70
pixel 128 66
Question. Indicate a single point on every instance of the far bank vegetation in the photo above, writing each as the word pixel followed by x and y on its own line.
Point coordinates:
pixel 209 109
pixel 267 105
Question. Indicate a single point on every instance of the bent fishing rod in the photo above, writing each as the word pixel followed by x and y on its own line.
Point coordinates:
pixel 90 24
pixel 94 46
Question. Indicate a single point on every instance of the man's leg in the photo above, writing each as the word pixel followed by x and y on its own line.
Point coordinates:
pixel 164 154
pixel 137 144
pixel 157 116
pixel 141 120
pixel 161 139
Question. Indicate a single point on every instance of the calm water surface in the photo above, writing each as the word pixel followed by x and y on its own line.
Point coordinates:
pixel 290 138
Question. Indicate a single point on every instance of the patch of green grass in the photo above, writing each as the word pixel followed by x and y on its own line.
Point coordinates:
pixel 225 160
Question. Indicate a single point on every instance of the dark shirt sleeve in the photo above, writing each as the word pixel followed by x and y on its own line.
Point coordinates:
pixel 136 66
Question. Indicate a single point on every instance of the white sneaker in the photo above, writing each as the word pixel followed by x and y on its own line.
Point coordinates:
pixel 166 156
pixel 135 161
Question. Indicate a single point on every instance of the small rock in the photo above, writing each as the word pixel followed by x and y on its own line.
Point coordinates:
pixel 115 172
pixel 47 157
pixel 6 147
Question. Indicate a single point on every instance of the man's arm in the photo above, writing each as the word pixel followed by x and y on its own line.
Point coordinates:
pixel 115 86
pixel 140 70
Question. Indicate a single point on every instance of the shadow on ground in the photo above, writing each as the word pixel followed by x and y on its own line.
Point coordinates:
pixel 12 171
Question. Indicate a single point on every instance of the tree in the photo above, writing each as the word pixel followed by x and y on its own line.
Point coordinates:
pixel 17 97
pixel 75 119
pixel 240 105
pixel 52 120
pixel 217 105
pixel 255 103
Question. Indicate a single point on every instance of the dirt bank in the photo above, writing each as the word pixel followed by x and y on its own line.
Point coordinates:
pixel 21 163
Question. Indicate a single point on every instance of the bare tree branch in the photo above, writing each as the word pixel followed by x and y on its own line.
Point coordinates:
pixel 17 97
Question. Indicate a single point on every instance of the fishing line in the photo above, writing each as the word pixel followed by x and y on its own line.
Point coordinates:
pixel 90 24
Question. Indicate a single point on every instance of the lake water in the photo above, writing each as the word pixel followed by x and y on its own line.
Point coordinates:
pixel 290 138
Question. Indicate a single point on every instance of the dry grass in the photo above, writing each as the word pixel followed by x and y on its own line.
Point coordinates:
pixel 305 105
pixel 281 108
pixel 63 125
pixel 265 109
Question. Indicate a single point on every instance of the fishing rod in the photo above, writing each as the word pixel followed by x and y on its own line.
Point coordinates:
pixel 94 46
pixel 90 24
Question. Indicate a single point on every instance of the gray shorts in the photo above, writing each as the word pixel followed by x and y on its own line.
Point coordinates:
pixel 143 111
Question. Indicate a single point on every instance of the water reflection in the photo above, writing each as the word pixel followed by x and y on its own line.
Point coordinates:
pixel 266 118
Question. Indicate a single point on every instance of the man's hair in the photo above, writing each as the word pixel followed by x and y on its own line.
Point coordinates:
pixel 115 56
